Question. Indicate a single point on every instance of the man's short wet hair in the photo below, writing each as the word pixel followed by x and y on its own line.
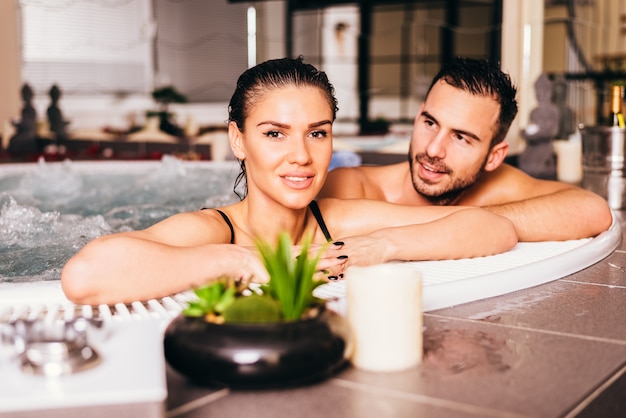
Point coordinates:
pixel 482 78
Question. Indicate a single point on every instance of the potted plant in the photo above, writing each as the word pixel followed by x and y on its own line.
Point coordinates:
pixel 277 334
pixel 164 96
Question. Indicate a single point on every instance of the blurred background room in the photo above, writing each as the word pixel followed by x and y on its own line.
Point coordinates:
pixel 140 78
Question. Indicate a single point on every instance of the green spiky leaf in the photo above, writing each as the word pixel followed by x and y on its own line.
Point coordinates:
pixel 287 296
pixel 291 279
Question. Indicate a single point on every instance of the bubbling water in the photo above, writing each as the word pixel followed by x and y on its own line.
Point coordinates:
pixel 48 211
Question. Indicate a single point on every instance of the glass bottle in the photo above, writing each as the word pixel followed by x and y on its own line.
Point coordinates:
pixel 616 115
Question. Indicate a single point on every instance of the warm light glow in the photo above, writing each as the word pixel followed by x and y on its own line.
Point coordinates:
pixel 251 37
pixel 246 357
pixel 526 51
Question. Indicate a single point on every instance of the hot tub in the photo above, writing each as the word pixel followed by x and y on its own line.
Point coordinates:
pixel 49 210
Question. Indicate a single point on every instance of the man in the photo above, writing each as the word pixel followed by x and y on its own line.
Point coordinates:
pixel 456 157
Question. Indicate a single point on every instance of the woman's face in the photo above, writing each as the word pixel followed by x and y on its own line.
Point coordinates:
pixel 286 145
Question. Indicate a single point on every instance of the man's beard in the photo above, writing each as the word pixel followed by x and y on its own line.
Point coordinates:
pixel 447 195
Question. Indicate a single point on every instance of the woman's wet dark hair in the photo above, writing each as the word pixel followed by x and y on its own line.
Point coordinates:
pixel 255 82
pixel 481 78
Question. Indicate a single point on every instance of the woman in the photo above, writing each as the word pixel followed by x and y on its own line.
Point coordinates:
pixel 280 129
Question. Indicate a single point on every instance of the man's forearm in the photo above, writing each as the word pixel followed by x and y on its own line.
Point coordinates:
pixel 572 213
pixel 464 234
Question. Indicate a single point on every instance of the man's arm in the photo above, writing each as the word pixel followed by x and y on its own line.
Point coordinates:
pixel 570 213
pixel 541 210
pixel 372 232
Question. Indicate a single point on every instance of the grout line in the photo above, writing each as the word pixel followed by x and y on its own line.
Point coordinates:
pixel 438 402
pixel 594 395
pixel 541 331
pixel 612 286
pixel 197 403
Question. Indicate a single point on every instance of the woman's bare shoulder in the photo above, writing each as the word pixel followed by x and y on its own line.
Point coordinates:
pixel 191 228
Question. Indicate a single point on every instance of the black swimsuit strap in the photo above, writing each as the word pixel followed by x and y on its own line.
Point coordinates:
pixel 315 210
pixel 230 225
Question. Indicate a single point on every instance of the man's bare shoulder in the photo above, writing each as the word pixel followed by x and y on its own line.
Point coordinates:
pixel 363 182
pixel 508 184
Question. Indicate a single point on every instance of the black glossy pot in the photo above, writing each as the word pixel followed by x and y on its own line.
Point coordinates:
pixel 258 355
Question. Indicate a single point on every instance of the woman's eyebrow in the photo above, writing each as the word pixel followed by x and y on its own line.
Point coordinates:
pixel 320 123
pixel 284 125
pixel 274 123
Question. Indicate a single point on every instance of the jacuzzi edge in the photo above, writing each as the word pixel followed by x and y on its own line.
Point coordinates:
pixel 435 296
pixel 445 295
pixel 107 165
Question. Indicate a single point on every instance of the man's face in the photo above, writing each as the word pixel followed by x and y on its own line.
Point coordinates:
pixel 450 145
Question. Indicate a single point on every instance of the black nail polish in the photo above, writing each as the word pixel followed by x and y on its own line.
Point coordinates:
pixel 338 243
pixel 333 278
pixel 342 257
pixel 341 275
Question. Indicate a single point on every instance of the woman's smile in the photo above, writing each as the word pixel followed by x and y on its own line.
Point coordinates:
pixel 298 181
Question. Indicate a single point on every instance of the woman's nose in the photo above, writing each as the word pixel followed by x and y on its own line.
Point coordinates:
pixel 300 152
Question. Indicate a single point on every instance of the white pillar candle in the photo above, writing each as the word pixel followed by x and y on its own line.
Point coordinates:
pixel 568 161
pixel 385 313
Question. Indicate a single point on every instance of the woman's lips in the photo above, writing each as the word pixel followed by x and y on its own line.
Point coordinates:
pixel 297 181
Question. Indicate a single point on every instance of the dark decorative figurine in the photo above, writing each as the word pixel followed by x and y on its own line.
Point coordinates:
pixel 25 139
pixel 55 117
pixel 538 158
pixel 165 96
pixel 567 118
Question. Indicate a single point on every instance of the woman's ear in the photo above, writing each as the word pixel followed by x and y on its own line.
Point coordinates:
pixel 236 141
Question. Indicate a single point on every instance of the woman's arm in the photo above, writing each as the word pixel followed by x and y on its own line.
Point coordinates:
pixel 179 253
pixel 375 232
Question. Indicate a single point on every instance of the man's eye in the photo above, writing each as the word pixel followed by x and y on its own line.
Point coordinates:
pixel 461 138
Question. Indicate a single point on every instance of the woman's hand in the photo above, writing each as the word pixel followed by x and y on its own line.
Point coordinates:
pixel 243 263
pixel 332 261
pixel 362 250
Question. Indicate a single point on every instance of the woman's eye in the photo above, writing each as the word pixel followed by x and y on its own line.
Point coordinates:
pixel 319 134
pixel 273 134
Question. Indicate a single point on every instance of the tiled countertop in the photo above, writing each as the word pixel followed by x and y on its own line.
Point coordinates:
pixel 555 350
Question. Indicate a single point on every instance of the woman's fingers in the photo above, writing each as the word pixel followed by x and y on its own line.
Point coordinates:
pixel 333 262
pixel 247 265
